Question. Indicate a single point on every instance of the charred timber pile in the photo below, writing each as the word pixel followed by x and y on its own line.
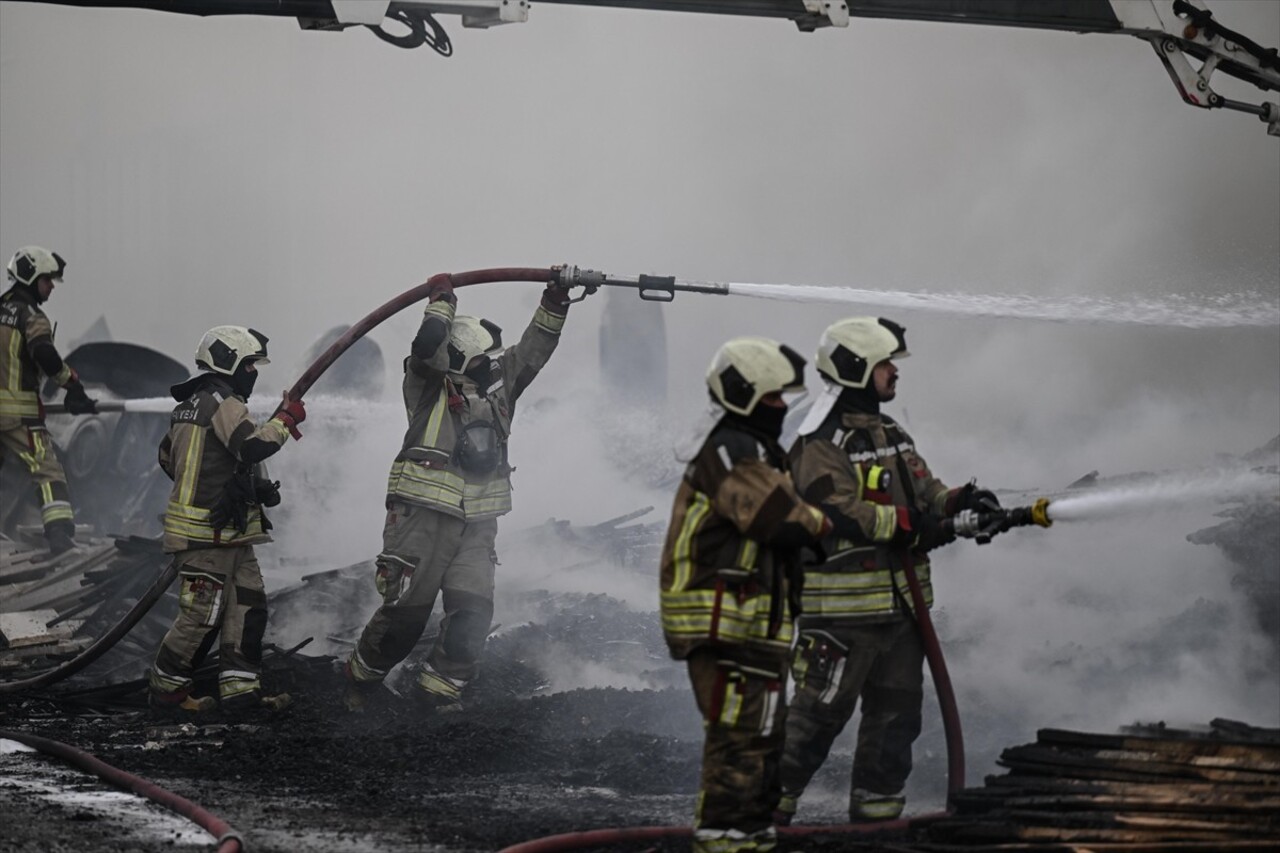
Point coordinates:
pixel 54 607
pixel 1150 788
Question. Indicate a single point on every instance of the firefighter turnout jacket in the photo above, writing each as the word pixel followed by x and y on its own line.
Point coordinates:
pixel 454 456
pixel 732 547
pixel 26 351
pixel 212 441
pixel 864 470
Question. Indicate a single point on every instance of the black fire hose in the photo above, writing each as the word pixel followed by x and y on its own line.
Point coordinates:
pixel 228 840
pixel 103 643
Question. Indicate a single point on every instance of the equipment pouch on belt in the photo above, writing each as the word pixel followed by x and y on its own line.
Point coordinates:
pixel 479 449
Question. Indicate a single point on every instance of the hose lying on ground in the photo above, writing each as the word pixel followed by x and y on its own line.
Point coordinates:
pixel 228 840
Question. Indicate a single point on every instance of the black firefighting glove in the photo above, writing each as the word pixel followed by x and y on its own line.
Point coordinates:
pixel 969 496
pixel 77 401
pixel 556 299
pixel 266 492
pixel 923 531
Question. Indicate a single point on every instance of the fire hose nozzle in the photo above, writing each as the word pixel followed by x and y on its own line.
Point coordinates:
pixel 568 276
pixel 983 526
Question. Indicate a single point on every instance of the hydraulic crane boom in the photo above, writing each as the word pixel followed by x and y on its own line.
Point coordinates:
pixel 1179 30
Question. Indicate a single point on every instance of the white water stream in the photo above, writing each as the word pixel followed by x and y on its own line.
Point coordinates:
pixel 1167 492
pixel 1196 311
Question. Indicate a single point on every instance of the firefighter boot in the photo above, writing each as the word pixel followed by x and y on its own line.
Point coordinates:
pixel 436 693
pixel 356 695
pixel 785 811
pixel 255 700
pixel 868 806
pixel 60 538
pixel 186 706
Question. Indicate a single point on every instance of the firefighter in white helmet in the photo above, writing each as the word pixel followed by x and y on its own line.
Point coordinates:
pixel 857 636
pixel 213 453
pixel 26 352
pixel 448 486
pixel 729 578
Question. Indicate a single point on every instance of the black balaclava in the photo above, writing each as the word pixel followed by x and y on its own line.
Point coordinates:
pixel 242 380
pixel 480 371
pixel 865 400
pixel 765 421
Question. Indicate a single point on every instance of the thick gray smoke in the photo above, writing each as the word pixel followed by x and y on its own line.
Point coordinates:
pixel 301 184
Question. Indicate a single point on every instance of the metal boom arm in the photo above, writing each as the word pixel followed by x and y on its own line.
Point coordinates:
pixel 1178 30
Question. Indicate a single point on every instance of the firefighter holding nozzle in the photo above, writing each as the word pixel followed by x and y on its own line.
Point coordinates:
pixel 857 636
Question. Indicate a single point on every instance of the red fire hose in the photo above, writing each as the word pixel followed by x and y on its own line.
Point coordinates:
pixel 404 300
pixel 941 682
pixel 228 840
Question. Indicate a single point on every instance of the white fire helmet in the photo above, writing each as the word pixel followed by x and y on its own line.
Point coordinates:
pixel 746 369
pixel 31 262
pixel 851 348
pixel 224 348
pixel 470 337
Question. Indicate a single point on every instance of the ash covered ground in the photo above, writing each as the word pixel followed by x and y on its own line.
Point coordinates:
pixel 513 766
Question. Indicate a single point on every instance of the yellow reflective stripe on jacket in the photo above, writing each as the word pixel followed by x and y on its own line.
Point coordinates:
pixel 690 613
pixel 19 404
pixel 431 432
pixel 192 522
pixel 682 557
pixel 482 500
pixel 859 594
pixel 747 555
pixel 186 491
pixel 12 382
pixel 420 484
pixel 886 523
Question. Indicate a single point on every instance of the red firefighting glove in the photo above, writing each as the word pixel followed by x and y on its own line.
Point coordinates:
pixel 291 413
pixel 441 289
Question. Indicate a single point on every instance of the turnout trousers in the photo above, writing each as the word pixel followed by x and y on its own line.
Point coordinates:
pixel 426 553
pixel 741 697
pixel 220 593
pixel 34 449
pixel 833 666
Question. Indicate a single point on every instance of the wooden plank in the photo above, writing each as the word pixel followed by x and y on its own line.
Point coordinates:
pixel 1135 766
pixel 1190 748
pixel 1174 802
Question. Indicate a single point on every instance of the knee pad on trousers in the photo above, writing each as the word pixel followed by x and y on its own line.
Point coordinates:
pixel 255 628
pixel 464 639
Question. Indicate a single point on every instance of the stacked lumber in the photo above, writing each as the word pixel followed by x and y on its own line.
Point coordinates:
pixel 1150 788
pixel 53 607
